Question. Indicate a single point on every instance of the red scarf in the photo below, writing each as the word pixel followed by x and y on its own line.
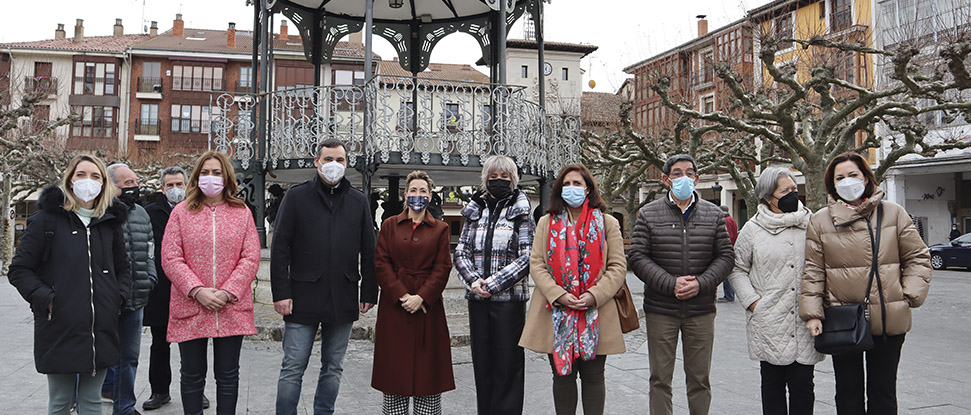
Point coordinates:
pixel 575 259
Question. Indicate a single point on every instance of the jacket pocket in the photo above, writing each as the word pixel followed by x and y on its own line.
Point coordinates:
pixel 185 311
pixel 352 276
pixel 305 276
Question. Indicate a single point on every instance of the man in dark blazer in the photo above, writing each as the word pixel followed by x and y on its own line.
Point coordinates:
pixel 321 258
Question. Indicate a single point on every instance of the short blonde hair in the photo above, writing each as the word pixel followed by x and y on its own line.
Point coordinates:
pixel 419 175
pixel 501 163
pixel 108 189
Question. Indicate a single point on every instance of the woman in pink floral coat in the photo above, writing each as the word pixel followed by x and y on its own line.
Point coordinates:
pixel 211 253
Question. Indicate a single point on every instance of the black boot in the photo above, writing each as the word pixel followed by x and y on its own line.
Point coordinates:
pixel 156 401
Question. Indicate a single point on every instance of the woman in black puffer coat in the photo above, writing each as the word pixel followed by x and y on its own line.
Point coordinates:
pixel 72 268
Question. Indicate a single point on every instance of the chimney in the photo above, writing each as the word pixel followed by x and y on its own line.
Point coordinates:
pixel 231 36
pixel 153 30
pixel 178 26
pixel 356 38
pixel 119 29
pixel 284 31
pixel 59 33
pixel 79 31
pixel 702 25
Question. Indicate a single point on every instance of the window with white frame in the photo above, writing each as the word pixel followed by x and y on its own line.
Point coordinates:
pixel 190 118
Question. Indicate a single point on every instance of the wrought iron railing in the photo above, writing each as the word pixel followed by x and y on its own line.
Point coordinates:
pixel 40 84
pixel 841 19
pixel 150 84
pixel 453 123
pixel 147 126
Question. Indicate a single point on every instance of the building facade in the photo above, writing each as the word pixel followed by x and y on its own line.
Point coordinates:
pixel 936 191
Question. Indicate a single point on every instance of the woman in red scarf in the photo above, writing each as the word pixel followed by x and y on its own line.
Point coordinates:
pixel 578 265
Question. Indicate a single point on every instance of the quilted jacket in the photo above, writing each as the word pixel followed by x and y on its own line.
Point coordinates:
pixel 666 245
pixel 838 257
pixel 768 268
pixel 140 245
pixel 495 246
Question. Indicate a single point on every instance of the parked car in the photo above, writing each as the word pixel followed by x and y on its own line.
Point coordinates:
pixel 956 253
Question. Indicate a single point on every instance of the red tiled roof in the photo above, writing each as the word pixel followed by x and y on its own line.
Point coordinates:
pixel 600 107
pixel 442 71
pixel 89 44
pixel 551 46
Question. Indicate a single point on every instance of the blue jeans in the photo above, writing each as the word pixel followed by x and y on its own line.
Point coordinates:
pixel 298 341
pixel 121 379
pixel 729 291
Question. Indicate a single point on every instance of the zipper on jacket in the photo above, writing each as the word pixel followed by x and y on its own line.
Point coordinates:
pixel 214 261
pixel 94 351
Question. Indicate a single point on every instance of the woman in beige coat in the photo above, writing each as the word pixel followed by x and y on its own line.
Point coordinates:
pixel 838 263
pixel 572 315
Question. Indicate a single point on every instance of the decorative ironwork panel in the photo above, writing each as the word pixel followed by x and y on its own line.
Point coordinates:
pixel 415 120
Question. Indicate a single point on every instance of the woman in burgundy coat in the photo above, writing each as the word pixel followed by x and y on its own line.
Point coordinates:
pixel 412 353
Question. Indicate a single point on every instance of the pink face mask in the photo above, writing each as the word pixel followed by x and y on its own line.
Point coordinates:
pixel 211 186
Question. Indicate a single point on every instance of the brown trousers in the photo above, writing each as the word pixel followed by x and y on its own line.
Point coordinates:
pixel 698 335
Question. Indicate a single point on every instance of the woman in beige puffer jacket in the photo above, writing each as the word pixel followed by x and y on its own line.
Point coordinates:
pixel 767 276
pixel 838 258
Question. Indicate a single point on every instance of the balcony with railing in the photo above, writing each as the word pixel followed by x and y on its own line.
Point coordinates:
pixel 147 129
pixel 453 124
pixel 243 87
pixel 841 20
pixel 44 85
pixel 149 85
pixel 192 84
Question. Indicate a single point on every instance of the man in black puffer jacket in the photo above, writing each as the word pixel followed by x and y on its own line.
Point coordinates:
pixel 681 250
pixel 139 244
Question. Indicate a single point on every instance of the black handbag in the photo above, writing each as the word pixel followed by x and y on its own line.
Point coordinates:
pixel 846 328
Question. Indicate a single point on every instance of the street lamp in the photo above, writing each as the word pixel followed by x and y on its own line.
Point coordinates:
pixel 396 4
pixel 718 194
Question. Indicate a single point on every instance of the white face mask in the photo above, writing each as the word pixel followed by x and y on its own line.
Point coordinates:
pixel 175 195
pixel 86 189
pixel 333 172
pixel 850 189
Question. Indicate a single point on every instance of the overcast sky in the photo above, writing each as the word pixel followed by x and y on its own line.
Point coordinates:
pixel 626 31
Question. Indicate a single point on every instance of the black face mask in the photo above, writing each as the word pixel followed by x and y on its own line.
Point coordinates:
pixel 789 203
pixel 499 188
pixel 129 195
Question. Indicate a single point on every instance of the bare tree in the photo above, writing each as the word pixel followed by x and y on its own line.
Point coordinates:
pixel 811 111
pixel 33 156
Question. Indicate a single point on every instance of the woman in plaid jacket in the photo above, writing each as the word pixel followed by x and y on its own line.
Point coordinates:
pixel 492 257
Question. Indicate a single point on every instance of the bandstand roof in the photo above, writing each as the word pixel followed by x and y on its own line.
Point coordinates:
pixel 413 29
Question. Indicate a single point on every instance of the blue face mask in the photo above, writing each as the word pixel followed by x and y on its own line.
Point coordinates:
pixel 574 195
pixel 417 203
pixel 683 187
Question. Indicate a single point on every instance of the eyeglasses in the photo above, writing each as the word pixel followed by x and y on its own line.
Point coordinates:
pixel 678 175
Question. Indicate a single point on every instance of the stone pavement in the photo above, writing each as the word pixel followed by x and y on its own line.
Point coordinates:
pixel 934 375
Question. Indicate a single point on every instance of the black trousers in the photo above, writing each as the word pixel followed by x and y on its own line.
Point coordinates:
pixel 159 369
pixel 497 359
pixel 881 379
pixel 225 368
pixel 592 387
pixel 798 378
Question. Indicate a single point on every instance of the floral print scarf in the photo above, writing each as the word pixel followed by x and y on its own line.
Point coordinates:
pixel 575 258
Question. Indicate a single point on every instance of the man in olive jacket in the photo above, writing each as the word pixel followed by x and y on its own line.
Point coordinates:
pixel 681 250
pixel 323 247
pixel 140 244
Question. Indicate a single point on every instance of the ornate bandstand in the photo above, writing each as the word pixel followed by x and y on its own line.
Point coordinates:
pixel 391 125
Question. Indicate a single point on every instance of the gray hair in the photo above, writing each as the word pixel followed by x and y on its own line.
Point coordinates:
pixel 724 208
pixel 111 170
pixel 769 181
pixel 503 164
pixel 678 158
pixel 170 171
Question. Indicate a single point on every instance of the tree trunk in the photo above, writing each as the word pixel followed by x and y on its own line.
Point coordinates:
pixel 816 196
pixel 751 205
pixel 7 230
